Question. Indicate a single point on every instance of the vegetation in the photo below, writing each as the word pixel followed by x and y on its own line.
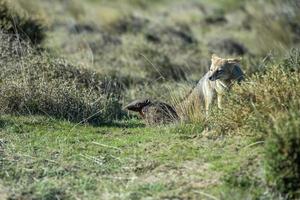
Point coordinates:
pixel 67 71
pixel 27 28
pixel 33 83
pixel 261 99
pixel 282 157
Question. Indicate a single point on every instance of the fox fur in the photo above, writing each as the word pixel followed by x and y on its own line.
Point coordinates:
pixel 217 81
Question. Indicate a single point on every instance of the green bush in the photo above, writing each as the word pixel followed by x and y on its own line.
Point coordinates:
pixel 12 22
pixel 282 156
pixel 292 60
pixel 34 83
pixel 257 99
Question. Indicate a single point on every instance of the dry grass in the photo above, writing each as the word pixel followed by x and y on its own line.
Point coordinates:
pixel 259 100
pixel 147 49
pixel 36 83
pixel 14 21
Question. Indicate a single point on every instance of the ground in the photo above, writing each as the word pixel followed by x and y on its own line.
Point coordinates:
pixel 46 159
pixel 69 66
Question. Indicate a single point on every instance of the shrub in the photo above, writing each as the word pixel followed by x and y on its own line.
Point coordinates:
pixel 266 106
pixel 12 22
pixel 282 156
pixel 247 176
pixel 292 61
pixel 256 100
pixel 34 83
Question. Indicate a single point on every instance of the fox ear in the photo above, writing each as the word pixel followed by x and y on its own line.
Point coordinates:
pixel 215 57
pixel 237 73
pixel 147 101
pixel 234 60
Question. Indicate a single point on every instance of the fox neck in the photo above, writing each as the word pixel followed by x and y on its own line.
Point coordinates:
pixel 222 86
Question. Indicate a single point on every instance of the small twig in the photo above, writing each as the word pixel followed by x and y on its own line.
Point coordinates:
pixel 104 145
pixel 96 160
pixel 32 157
pixel 84 120
pixel 119 178
pixel 253 144
pixel 152 65
pixel 116 158
pixel 250 145
pixel 207 195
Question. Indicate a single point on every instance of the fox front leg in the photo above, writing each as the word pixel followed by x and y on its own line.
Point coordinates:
pixel 208 101
pixel 219 98
pixel 206 108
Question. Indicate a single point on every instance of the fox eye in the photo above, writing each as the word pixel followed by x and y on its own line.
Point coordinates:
pixel 220 70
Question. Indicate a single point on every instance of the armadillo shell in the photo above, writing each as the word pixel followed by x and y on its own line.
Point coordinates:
pixel 159 113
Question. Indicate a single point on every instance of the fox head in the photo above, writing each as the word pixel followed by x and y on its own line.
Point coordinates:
pixel 225 69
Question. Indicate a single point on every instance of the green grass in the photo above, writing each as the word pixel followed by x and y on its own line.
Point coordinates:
pixel 95 56
pixel 46 159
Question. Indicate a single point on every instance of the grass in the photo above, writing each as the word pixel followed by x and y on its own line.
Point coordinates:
pixel 281 166
pixel 15 21
pixel 34 82
pixel 63 134
pixel 222 157
pixel 47 159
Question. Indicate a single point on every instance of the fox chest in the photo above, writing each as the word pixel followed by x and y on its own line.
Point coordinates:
pixel 220 87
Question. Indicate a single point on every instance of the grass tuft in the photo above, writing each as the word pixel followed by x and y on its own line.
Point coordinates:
pixel 35 83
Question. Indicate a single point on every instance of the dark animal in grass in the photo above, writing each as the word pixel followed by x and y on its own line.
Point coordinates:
pixel 153 112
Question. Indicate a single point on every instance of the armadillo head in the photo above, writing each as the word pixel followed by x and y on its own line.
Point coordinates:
pixel 137 105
